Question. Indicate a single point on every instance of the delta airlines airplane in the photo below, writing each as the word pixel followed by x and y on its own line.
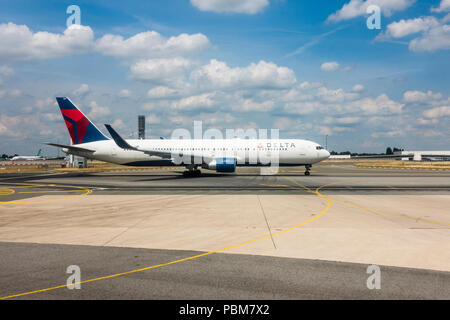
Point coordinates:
pixel 220 155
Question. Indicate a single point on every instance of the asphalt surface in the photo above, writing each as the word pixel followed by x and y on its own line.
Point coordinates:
pixel 29 267
pixel 342 179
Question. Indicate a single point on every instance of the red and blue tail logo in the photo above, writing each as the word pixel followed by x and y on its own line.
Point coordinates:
pixel 80 128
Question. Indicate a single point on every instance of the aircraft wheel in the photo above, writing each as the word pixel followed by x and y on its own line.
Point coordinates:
pixel 307 173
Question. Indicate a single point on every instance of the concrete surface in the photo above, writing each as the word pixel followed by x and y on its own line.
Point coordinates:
pixel 381 217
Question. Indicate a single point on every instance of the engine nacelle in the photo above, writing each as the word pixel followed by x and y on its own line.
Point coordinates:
pixel 222 165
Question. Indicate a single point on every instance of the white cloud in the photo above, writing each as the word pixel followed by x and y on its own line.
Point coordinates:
pixel 151 44
pixel 124 93
pixel 388 134
pixel 194 102
pixel 435 33
pixel 52 117
pixel 433 133
pixel 82 91
pixel 356 8
pixel 152 119
pixel 236 6
pixel 438 112
pixel 419 96
pixel 337 95
pixel 18 42
pixel 434 39
pixel 45 103
pixel 343 120
pixel 6 71
pixel 324 130
pixel 118 124
pixel 161 92
pixel 302 108
pixel 249 105
pixel 15 93
pixel 329 66
pixel 358 88
pixel 380 105
pixel 263 74
pixel 404 28
pixel 161 70
pixel 425 122
pixel 97 111
pixel 443 6
pixel 18 127
pixel 309 85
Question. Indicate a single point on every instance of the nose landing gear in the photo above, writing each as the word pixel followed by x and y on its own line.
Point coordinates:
pixel 307 167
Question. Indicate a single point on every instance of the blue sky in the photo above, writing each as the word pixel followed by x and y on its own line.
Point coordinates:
pixel 309 68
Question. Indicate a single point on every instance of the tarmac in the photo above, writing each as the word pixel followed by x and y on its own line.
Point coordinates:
pixel 156 235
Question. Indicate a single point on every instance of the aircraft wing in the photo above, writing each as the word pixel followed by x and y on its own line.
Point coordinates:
pixel 74 148
pixel 152 152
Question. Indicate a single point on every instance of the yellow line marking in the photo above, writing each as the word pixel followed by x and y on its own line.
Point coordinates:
pixel 52 191
pixel 85 193
pixel 5 191
pixel 28 186
pixel 276 185
pixel 193 257
pixel 400 215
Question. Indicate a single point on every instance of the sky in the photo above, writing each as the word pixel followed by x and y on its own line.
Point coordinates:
pixel 308 68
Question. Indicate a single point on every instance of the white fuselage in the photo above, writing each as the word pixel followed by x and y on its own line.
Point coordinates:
pixel 28 158
pixel 247 152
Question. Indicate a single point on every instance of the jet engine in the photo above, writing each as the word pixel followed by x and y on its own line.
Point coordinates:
pixel 222 165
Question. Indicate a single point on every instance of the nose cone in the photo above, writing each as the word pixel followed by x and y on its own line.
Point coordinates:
pixel 324 154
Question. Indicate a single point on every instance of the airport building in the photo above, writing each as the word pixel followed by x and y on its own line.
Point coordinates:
pixel 424 155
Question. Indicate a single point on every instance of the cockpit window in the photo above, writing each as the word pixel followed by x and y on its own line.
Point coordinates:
pixel 319 148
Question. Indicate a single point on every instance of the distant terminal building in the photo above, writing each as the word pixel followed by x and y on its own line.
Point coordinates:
pixel 339 157
pixel 423 155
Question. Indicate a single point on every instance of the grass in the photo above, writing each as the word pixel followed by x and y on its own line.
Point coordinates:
pixel 93 166
pixel 423 165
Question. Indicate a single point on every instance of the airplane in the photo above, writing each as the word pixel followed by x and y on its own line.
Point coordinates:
pixel 220 155
pixel 29 158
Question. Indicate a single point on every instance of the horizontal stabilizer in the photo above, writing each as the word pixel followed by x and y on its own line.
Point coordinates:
pixel 69 147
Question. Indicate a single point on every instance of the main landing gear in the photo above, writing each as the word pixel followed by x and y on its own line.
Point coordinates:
pixel 307 167
pixel 192 173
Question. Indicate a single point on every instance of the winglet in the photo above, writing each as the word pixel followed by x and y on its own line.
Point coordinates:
pixel 118 139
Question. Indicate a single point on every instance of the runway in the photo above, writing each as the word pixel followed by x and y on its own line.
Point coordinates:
pixel 239 236
pixel 333 178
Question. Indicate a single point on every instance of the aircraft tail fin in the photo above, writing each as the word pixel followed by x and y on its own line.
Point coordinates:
pixel 39 153
pixel 81 129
